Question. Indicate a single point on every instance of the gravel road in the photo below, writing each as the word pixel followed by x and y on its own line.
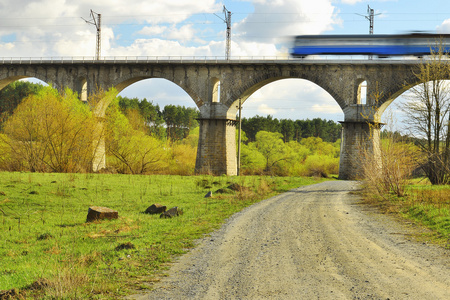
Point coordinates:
pixel 314 242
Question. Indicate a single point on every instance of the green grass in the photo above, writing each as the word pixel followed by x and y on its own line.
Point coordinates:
pixel 424 204
pixel 47 249
pixel 430 206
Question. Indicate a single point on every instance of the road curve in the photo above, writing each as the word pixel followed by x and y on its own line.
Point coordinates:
pixel 314 242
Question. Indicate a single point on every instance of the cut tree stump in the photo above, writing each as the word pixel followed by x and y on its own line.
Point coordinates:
pixel 101 213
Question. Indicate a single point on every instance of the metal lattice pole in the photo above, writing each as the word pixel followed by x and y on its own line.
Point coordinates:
pixel 98 25
pixel 370 17
pixel 227 20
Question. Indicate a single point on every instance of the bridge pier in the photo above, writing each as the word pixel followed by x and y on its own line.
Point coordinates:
pixel 216 153
pixel 358 138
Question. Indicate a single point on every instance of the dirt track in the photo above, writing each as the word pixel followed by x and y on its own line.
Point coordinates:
pixel 314 242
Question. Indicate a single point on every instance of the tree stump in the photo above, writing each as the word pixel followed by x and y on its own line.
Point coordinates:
pixel 101 213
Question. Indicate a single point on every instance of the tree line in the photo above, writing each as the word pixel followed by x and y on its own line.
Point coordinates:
pixel 328 131
pixel 174 122
pixel 44 130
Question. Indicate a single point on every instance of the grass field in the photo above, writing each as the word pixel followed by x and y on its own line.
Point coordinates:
pixel 430 206
pixel 424 204
pixel 47 250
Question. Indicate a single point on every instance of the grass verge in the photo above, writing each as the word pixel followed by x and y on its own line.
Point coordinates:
pixel 425 205
pixel 48 250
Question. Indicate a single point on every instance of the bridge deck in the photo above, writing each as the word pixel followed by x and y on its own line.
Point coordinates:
pixel 208 60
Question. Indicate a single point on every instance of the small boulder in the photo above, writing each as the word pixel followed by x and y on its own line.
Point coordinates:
pixel 155 209
pixel 101 213
pixel 173 212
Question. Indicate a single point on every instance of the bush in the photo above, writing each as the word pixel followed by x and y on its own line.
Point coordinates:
pixel 389 172
pixel 50 131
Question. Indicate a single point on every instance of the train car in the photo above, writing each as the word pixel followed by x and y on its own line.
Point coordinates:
pixel 416 44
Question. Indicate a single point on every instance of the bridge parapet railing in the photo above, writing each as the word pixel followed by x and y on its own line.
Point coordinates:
pixel 178 59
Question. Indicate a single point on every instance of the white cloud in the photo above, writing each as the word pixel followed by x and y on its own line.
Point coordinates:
pixel 274 19
pixel 294 99
pixel 56 28
pixel 185 32
pixel 351 2
pixel 326 108
pixel 444 27
pixel 152 30
pixel 266 110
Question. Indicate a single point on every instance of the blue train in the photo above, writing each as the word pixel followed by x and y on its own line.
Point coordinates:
pixel 416 44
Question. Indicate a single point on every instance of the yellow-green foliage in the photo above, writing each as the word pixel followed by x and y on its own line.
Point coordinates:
pixel 130 150
pixel 182 161
pixel 389 173
pixel 56 132
pixel 270 155
pixel 320 165
pixel 252 161
pixel 50 131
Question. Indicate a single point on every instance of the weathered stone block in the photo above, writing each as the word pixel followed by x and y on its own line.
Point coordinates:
pixel 173 212
pixel 101 213
pixel 155 209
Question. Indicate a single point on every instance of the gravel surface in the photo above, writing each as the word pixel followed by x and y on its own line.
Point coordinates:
pixel 314 242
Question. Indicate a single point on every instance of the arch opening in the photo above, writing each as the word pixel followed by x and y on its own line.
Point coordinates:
pixel 286 98
pixel 391 112
pixel 361 94
pixel 22 90
pixel 216 90
pixel 158 90
pixel 163 100
pixel 82 89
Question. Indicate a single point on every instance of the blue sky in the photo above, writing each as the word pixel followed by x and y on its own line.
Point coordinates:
pixel 44 28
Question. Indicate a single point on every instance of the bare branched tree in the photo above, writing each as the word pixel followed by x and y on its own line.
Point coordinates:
pixel 428 114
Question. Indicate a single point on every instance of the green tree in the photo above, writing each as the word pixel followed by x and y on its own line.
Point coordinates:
pixel 287 128
pixel 271 146
pixel 143 115
pixel 252 161
pixel 130 150
pixel 12 95
pixel 153 118
pixel 179 121
pixel 50 131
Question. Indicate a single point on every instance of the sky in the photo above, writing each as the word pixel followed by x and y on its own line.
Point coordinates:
pixel 58 28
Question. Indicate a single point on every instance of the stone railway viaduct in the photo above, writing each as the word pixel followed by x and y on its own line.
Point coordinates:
pixel 238 79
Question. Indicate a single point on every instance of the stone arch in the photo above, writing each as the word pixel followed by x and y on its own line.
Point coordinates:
pixel 390 93
pixel 9 79
pixel 125 81
pixel 249 89
pixel 261 80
